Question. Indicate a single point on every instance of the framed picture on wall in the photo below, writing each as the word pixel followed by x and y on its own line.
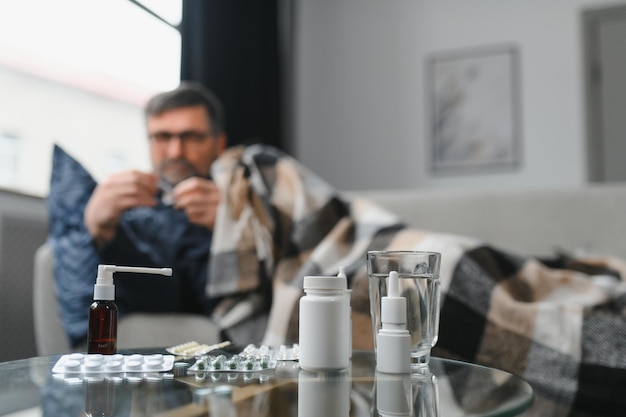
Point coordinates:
pixel 474 109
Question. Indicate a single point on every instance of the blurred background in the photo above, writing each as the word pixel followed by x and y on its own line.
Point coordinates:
pixel 345 86
pixel 370 94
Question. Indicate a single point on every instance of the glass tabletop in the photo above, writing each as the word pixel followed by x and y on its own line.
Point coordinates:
pixel 446 389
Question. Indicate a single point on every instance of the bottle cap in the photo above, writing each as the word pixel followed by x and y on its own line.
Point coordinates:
pixel 325 283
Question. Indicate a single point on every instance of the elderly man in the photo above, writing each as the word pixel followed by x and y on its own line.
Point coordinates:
pixel 240 227
pixel 186 134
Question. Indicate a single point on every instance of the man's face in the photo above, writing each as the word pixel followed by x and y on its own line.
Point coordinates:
pixel 182 143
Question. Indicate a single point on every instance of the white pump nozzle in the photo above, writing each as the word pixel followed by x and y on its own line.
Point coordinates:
pixel 106 271
pixel 105 289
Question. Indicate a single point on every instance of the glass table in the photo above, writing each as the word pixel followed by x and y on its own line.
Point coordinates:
pixel 447 389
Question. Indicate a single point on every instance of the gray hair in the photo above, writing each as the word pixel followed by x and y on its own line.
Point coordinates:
pixel 188 94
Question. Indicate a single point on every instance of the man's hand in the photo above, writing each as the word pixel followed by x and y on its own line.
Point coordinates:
pixel 199 198
pixel 113 197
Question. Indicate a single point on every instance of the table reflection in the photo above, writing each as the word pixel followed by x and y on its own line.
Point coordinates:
pixel 444 389
pixel 99 398
pixel 406 395
pixel 323 393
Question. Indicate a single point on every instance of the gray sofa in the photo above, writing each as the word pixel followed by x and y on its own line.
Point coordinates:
pixel 23 228
pixel 527 222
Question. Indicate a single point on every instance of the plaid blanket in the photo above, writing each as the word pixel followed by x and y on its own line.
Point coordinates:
pixel 558 323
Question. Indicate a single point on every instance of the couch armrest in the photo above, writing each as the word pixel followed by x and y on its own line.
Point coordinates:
pixel 50 337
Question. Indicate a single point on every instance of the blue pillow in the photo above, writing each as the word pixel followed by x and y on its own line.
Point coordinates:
pixel 75 258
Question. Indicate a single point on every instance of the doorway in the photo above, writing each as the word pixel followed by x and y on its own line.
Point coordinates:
pixel 604 40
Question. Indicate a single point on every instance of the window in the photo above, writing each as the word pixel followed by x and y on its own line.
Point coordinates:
pixel 78 73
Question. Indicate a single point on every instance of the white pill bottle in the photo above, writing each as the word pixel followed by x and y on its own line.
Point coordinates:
pixel 324 332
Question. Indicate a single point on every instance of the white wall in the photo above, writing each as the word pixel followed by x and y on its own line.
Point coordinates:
pixel 360 96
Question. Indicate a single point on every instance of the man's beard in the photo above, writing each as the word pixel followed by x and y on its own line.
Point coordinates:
pixel 173 171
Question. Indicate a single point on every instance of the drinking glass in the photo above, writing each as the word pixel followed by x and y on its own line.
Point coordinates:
pixel 418 274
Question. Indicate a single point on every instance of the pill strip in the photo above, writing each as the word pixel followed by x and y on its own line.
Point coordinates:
pixel 193 348
pixel 235 363
pixel 78 363
pixel 282 353
pixel 250 359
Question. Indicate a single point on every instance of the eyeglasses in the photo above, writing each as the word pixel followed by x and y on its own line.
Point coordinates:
pixel 192 137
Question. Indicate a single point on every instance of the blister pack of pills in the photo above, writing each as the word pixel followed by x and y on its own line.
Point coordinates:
pixel 250 359
pixel 235 363
pixel 282 353
pixel 88 364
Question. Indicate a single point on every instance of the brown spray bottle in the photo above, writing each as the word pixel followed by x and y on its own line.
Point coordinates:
pixel 102 334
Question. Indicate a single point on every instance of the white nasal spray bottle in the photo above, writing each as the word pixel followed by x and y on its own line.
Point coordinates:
pixel 102 334
pixel 393 342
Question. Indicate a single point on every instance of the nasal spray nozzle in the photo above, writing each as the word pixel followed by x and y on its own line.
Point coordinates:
pixel 105 288
pixel 394 285
pixel 393 342
pixel 102 334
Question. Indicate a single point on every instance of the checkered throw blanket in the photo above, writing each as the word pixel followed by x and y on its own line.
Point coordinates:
pixel 560 323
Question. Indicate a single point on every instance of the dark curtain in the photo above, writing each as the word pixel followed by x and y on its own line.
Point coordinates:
pixel 232 47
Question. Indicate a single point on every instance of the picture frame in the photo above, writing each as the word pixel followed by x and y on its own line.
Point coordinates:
pixel 474 109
